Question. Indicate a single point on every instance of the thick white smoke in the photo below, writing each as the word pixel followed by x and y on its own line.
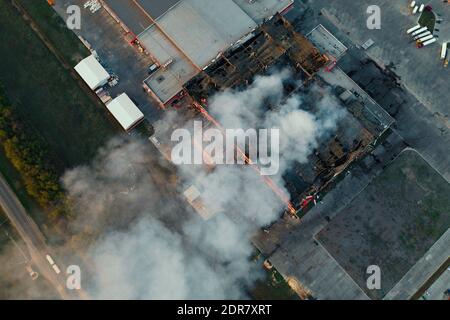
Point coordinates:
pixel 300 130
pixel 150 244
pixel 149 261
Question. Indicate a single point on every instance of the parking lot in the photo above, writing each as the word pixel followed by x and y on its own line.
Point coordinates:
pixel 107 37
pixel 391 223
pixel 421 70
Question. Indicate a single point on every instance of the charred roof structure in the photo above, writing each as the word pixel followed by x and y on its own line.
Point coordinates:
pixel 183 37
pixel 275 45
pixel 274 42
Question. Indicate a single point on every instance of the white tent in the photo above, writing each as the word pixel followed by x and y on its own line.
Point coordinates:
pixel 92 72
pixel 125 111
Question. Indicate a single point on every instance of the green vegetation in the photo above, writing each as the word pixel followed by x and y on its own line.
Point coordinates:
pixel 427 19
pixel 48 123
pixel 15 181
pixel 145 130
pixel 44 93
pixel 29 155
pixel 55 29
pixel 272 286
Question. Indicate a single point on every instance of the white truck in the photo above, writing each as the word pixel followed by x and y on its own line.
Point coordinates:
pixel 418 31
pixel 429 42
pixel 50 259
pixel 426 38
pixel 56 269
pixel 410 30
pixel 426 33
pixel 53 264
pixel 444 51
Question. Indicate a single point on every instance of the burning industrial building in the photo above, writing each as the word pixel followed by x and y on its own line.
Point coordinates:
pixel 155 231
pixel 269 82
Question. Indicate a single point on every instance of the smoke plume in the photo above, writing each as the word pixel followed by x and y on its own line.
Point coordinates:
pixel 147 242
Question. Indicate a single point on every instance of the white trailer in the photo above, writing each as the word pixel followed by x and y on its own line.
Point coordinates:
pixel 412 29
pixel 413 4
pixel 429 42
pixel 422 6
pixel 444 51
pixel 416 8
pixel 56 269
pixel 426 33
pixel 418 31
pixel 426 38
pixel 50 259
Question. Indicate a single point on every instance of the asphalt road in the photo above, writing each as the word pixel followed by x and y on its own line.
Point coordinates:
pixel 33 239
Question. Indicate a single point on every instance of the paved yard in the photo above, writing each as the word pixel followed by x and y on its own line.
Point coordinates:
pixel 441 285
pixel 290 243
pixel 392 223
pixel 420 70
pixel 106 36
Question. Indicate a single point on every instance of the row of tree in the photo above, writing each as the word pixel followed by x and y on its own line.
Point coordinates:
pixel 29 154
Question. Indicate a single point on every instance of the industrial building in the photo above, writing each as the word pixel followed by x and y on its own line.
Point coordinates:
pixel 185 37
pixel 275 42
pixel 276 45
pixel 92 72
pixel 201 47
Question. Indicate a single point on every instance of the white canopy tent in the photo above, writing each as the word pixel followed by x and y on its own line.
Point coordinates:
pixel 125 111
pixel 92 72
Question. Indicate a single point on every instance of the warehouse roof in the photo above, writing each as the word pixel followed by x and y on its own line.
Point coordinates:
pixel 156 8
pixel 263 9
pixel 139 15
pixel 213 27
pixel 203 28
pixel 167 82
pixel 192 34
pixel 92 72
pixel 325 41
pixel 125 111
